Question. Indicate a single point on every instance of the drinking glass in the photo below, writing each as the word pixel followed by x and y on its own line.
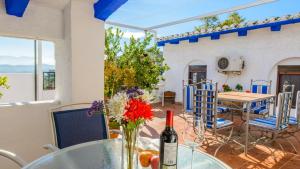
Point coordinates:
pixel 193 133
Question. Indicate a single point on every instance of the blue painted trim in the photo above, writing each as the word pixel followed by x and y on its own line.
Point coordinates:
pixel 242 33
pixel 276 28
pixel 215 36
pixel 174 41
pixel 104 8
pixel 254 27
pixel 193 40
pixel 16 7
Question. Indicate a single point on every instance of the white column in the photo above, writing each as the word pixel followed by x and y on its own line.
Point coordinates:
pixel 39 70
pixel 84 42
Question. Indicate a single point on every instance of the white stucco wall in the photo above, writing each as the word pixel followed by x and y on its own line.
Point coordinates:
pixel 79 54
pixel 22 89
pixel 262 50
pixel 24 129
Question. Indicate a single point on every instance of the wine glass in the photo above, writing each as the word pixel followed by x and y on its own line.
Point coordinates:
pixel 193 133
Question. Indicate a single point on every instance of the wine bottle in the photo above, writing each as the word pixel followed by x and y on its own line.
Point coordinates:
pixel 168 145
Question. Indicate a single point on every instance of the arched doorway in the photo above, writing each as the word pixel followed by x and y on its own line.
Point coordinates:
pixel 197 73
pixel 289 74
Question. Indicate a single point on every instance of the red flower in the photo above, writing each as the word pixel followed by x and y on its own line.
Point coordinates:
pixel 138 110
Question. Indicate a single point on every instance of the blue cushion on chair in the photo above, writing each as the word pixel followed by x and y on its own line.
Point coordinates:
pixel 269 123
pixel 260 110
pixel 292 120
pixel 221 123
pixel 222 110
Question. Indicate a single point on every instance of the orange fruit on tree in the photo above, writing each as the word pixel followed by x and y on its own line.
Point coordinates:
pixel 145 158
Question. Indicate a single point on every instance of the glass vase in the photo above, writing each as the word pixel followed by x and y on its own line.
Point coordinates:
pixel 129 148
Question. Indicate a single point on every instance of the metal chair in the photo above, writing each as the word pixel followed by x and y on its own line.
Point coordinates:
pixel 189 91
pixel 13 157
pixel 72 125
pixel 188 98
pixel 294 124
pixel 262 87
pixel 276 125
pixel 205 105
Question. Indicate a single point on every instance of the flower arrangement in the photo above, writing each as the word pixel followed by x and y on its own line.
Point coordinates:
pixel 130 109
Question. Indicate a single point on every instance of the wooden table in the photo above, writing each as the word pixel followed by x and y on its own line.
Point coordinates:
pixel 246 98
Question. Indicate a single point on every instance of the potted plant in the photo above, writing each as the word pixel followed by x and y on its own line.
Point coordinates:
pixel 226 88
pixel 239 87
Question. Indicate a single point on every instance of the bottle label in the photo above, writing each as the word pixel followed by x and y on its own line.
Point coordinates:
pixel 170 154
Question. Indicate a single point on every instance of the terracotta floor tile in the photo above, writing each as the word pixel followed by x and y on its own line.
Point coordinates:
pixel 260 157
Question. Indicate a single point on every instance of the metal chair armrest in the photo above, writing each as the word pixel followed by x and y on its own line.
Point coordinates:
pixel 50 147
pixel 12 156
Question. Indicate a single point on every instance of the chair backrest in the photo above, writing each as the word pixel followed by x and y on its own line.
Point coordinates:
pixel 284 106
pixel 73 126
pixel 298 107
pixel 261 86
pixel 205 104
pixel 188 97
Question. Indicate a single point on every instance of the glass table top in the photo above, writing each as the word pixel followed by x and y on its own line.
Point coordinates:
pixel 106 154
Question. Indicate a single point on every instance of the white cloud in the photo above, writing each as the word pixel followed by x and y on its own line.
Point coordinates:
pixel 128 34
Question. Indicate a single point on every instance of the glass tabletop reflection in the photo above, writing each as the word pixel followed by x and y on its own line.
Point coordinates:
pixel 106 154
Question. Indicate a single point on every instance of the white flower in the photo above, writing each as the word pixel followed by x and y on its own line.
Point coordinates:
pixel 116 106
pixel 147 96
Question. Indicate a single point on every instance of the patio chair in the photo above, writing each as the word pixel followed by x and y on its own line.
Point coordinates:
pixel 276 125
pixel 205 105
pixel 188 98
pixel 292 120
pixel 261 87
pixel 294 123
pixel 72 125
pixel 13 157
pixel 189 92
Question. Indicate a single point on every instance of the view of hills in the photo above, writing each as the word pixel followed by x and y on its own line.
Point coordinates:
pixel 4 68
pixel 22 64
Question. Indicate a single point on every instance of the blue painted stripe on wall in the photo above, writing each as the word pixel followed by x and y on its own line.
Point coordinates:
pixel 16 7
pixel 275 26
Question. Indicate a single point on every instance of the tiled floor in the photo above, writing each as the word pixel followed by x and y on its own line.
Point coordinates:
pixel 259 157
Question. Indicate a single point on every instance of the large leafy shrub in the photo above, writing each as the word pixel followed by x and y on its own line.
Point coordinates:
pixel 137 62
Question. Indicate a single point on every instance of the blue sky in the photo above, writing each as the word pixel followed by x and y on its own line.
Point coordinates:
pixel 19 51
pixel 145 13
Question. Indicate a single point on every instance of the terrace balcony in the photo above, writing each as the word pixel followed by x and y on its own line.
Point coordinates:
pixel 63 42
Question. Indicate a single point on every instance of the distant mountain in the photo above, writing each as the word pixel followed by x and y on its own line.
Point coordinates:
pixel 13 60
pixel 5 68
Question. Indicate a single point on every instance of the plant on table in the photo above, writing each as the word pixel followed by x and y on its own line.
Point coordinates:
pixel 226 88
pixel 239 87
pixel 130 109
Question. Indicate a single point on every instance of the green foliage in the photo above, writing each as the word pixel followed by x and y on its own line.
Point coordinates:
pixel 213 21
pixel 209 22
pixel 138 63
pixel 226 88
pixel 239 87
pixel 3 83
pixel 233 18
